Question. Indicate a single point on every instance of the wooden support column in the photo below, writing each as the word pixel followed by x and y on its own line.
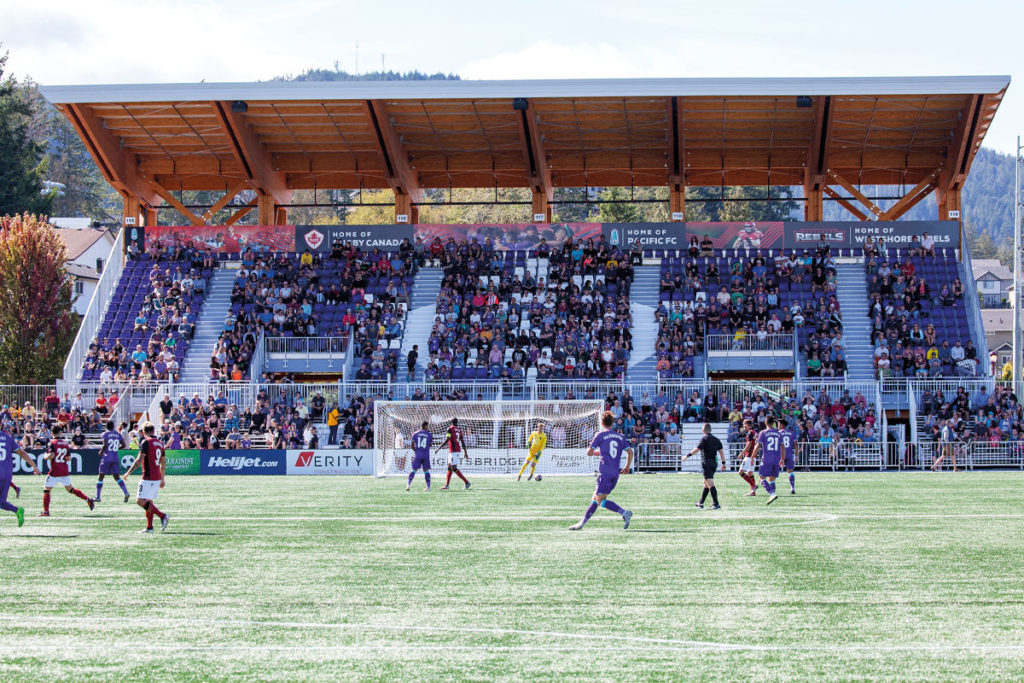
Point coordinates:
pixel 814 208
pixel 677 202
pixel 541 205
pixel 266 210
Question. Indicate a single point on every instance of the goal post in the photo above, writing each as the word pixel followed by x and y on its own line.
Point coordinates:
pixel 495 433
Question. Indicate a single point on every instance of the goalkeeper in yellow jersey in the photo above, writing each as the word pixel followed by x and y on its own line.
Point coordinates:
pixel 536 443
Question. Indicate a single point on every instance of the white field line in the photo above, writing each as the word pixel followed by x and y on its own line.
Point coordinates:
pixel 591 638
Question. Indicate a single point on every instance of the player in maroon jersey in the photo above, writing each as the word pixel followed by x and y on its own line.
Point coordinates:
pixel 60 475
pixel 456 449
pixel 154 464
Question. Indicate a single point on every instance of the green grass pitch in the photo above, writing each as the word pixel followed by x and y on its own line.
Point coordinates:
pixel 859 577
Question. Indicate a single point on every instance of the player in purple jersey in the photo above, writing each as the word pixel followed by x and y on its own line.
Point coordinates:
pixel 421 443
pixel 609 446
pixel 788 445
pixel 769 446
pixel 8 449
pixel 110 460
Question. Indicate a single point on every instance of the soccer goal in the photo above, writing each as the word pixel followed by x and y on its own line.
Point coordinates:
pixel 495 433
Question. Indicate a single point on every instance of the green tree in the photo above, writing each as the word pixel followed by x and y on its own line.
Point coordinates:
pixel 617 210
pixel 37 323
pixel 22 161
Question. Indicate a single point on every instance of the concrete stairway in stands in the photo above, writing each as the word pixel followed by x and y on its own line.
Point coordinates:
pixel 853 300
pixel 643 301
pixel 422 310
pixel 196 367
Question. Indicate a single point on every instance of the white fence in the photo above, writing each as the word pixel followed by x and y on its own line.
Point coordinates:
pixel 101 297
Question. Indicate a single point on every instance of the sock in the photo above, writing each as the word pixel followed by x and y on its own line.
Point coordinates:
pixel 703 495
pixel 590 512
pixel 412 475
pixel 714 495
pixel 46 501
pixel 99 489
pixel 792 481
pixel 612 507
pixel 76 492
pixel 448 480
pixel 124 489
pixel 149 517
pixel 426 475
pixel 458 473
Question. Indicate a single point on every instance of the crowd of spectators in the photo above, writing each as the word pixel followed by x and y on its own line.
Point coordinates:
pixel 307 295
pixel 562 313
pixel 165 317
pixel 904 308
pixel 81 419
pixel 746 300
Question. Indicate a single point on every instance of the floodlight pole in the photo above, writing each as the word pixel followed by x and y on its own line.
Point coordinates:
pixel 1018 348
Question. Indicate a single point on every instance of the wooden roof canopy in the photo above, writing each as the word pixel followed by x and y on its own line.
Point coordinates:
pixel 151 140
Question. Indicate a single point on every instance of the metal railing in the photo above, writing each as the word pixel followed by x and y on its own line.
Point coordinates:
pixel 727 343
pixel 98 305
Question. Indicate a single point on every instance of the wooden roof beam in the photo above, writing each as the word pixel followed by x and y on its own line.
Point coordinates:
pixel 857 194
pixel 845 203
pixel 399 171
pixel 534 154
pixel 252 156
pixel 119 166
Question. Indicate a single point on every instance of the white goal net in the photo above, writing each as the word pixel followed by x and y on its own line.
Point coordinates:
pixel 495 434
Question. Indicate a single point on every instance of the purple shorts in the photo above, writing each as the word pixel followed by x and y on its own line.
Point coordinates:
pixel 770 468
pixel 421 462
pixel 110 465
pixel 606 482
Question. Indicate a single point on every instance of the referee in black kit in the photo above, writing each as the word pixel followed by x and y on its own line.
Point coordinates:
pixel 710 449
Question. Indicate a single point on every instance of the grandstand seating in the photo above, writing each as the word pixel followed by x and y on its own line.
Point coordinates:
pixel 724 291
pixel 917 334
pixel 153 309
pixel 532 315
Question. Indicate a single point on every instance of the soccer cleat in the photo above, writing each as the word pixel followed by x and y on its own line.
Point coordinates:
pixel 626 516
pixel 21 517
pixel 576 527
pixel 468 484
pixel 699 506
pixel 716 506
pixel 91 503
pixel 771 499
pixel 145 531
pixel 445 487
pixel 164 522
pixel 127 497
pixel 44 514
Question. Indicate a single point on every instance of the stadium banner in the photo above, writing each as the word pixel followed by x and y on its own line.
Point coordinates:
pixel 242 462
pixel 335 462
pixel 81 461
pixel 510 236
pixel 319 238
pixel 780 235
pixel 178 461
pixel 230 239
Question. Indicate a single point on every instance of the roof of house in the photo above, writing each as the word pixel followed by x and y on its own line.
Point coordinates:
pixel 77 242
pixel 997 319
pixel 980 267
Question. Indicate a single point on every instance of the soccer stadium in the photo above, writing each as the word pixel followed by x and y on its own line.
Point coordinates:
pixel 367 450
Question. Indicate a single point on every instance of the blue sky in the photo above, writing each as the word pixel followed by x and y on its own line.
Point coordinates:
pixel 125 41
